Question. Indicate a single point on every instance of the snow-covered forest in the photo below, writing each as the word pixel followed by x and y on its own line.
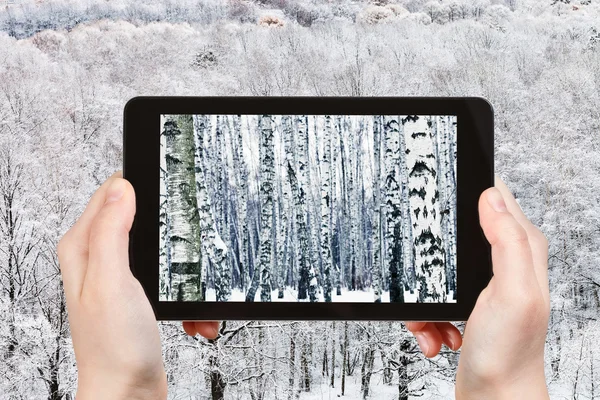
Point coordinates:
pixel 308 208
pixel 66 72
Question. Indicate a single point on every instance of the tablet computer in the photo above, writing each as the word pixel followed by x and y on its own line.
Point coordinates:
pixel 308 208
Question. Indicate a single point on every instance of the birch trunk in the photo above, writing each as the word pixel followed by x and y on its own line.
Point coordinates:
pixel 377 237
pixel 345 357
pixel 183 208
pixel 212 244
pixel 165 222
pixel 267 177
pixel 393 209
pixel 326 209
pixel 333 336
pixel 243 217
pixel 424 204
pixel 345 231
pixel 407 231
pixel 292 364
pixel 299 187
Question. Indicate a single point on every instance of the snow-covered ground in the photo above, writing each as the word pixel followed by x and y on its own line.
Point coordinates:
pixel 348 296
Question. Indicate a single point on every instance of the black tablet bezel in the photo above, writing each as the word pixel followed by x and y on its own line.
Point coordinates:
pixel 475 173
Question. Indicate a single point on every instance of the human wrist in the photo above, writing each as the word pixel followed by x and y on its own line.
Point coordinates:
pixel 117 388
pixel 529 385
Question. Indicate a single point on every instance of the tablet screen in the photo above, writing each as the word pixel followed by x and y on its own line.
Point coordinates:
pixel 314 208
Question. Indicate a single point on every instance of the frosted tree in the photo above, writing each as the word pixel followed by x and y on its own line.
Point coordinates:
pixel 393 209
pixel 377 272
pixel 288 158
pixel 326 209
pixel 337 273
pixel 299 188
pixel 183 207
pixel 407 231
pixel 424 204
pixel 267 178
pixel 242 170
pixel 212 244
pixel 164 224
pixel 444 127
pixel 353 202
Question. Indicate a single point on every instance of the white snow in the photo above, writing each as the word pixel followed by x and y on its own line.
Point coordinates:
pixel 348 296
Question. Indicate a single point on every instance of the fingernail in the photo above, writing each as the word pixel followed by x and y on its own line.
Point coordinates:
pixel 423 344
pixel 216 331
pixel 452 344
pixel 495 199
pixel 115 191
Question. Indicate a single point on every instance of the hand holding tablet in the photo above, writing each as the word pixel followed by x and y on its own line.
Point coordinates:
pixel 504 339
pixel 309 208
pixel 117 344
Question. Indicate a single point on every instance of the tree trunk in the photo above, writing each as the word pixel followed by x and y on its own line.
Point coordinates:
pixel 345 357
pixel 292 364
pixel 298 185
pixel 217 383
pixel 183 207
pixel 242 181
pixel 212 244
pixel 367 370
pixel 424 204
pixel 333 336
pixel 164 223
pixel 306 378
pixel 267 172
pixel 407 230
pixel 377 270
pixel 393 210
pixel 326 209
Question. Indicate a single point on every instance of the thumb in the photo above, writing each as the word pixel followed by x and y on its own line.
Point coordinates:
pixel 109 234
pixel 511 253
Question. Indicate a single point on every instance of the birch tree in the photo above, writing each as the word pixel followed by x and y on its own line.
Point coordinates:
pixel 377 272
pixel 289 158
pixel 212 244
pixel 407 229
pixel 267 176
pixel 326 209
pixel 299 187
pixel 424 204
pixel 164 224
pixel 183 208
pixel 393 209
pixel 242 169
pixel 447 195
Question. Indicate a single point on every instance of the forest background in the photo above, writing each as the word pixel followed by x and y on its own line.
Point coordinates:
pixel 68 67
pixel 307 208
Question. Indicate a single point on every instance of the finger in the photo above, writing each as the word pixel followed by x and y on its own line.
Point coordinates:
pixel 511 254
pixel 208 329
pixel 429 340
pixel 73 248
pixel 537 240
pixel 109 237
pixel 415 326
pixel 189 327
pixel 450 335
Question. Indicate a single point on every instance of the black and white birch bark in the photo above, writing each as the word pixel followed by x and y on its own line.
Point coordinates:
pixel 393 209
pixel 377 270
pixel 299 188
pixel 424 204
pixel 164 223
pixel 183 207
pixel 266 193
pixel 212 244
pixel 326 209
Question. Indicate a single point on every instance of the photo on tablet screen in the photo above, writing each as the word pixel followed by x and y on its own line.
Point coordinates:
pixel 315 208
